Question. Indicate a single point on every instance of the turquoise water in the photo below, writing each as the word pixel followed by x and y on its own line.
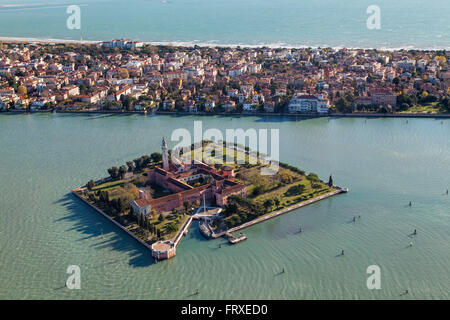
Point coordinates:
pixel 385 162
pixel 334 23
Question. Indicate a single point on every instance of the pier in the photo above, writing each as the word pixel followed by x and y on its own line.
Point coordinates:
pixel 280 212
pixel 233 240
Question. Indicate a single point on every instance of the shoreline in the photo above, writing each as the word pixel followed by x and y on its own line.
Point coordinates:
pixel 75 192
pixel 187 224
pixel 191 44
pixel 256 114
pixel 280 212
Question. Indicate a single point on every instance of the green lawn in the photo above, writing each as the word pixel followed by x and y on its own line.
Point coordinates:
pixel 275 188
pixel 167 220
pixel 425 108
pixel 109 185
pixel 218 157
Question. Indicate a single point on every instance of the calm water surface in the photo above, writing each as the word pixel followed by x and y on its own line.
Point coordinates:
pixel 325 23
pixel 385 162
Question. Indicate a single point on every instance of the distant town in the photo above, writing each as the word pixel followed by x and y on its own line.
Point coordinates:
pixel 128 76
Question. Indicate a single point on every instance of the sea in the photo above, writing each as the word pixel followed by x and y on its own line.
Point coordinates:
pixel 408 24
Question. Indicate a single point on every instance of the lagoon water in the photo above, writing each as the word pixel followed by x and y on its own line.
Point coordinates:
pixel 385 162
pixel 325 23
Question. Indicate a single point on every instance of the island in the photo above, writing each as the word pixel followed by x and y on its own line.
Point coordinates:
pixel 156 198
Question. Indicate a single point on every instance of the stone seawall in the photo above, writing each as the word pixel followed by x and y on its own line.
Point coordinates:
pixel 278 213
pixel 111 219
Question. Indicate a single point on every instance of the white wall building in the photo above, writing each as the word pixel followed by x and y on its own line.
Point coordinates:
pixel 303 102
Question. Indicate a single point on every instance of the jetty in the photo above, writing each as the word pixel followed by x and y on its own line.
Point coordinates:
pixel 280 212
pixel 233 240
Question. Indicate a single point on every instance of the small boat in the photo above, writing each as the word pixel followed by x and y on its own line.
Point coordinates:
pixel 205 231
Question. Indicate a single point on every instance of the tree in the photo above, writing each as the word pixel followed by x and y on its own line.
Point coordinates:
pixel 445 104
pixel 138 163
pixel 113 172
pixel 175 213
pixel 146 223
pixel 90 184
pixel 186 206
pixel 424 94
pixel 231 208
pixel 277 201
pixel 330 181
pixel 286 177
pixel 130 166
pixel 138 218
pixel 269 203
pixel 128 102
pixel 258 190
pixel 146 160
pixel 22 90
pixel 156 157
pixel 152 227
pixel 123 204
pixel 122 171
pixel 123 73
pixel 342 105
pixel 295 190
pixel 313 177
pixel 171 227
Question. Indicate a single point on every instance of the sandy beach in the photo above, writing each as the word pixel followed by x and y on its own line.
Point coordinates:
pixel 202 44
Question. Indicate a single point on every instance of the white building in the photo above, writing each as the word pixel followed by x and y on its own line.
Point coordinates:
pixel 236 71
pixel 254 68
pixel 250 105
pixel 407 64
pixel 141 206
pixel 123 44
pixel 303 102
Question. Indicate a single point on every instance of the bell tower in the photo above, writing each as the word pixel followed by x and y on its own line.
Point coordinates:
pixel 165 155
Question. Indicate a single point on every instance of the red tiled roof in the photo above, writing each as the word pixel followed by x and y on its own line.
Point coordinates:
pixel 142 202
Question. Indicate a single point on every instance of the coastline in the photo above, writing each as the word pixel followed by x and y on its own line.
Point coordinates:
pixel 187 224
pixel 256 114
pixel 191 44
pixel 75 192
pixel 280 212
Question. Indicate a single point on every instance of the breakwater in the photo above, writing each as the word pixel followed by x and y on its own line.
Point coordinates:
pixel 278 213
